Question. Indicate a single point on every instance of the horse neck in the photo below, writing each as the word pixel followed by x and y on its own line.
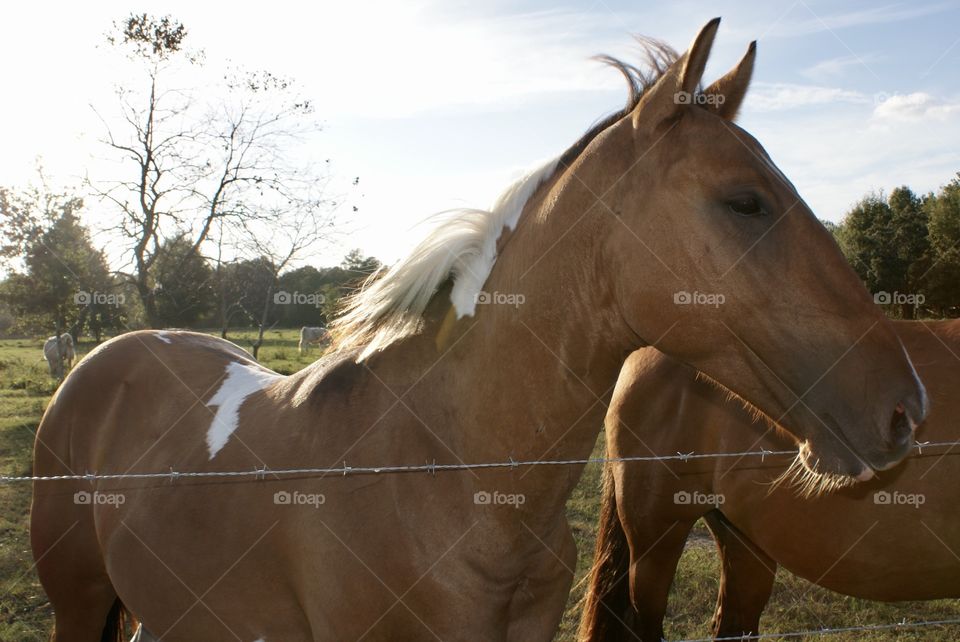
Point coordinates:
pixel 541 370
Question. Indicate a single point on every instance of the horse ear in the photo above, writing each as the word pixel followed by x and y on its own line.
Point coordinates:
pixel 729 91
pixel 677 86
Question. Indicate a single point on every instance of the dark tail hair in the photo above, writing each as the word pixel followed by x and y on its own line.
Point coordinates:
pixel 114 627
pixel 606 605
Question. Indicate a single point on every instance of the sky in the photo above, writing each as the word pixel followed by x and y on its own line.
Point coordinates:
pixel 437 105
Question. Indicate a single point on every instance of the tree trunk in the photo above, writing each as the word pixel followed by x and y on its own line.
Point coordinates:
pixel 263 322
pixel 81 322
pixel 149 301
pixel 222 296
pixel 60 349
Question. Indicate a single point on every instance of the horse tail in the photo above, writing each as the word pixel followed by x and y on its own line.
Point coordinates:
pixel 115 625
pixel 606 604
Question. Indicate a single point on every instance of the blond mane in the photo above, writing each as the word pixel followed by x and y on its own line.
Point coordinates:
pixel 463 244
pixel 462 247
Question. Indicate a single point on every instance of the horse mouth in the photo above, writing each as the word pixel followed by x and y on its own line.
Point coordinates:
pixel 835 453
pixel 808 478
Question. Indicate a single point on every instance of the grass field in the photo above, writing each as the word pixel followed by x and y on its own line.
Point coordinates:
pixel 25 614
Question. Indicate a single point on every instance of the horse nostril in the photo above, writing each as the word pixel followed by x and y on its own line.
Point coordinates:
pixel 901 428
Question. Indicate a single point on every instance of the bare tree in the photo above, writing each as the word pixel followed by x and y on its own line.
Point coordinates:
pixel 191 158
pixel 280 239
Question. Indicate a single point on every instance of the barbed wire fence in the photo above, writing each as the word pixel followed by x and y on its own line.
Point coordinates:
pixel 433 468
pixel 345 470
pixel 826 631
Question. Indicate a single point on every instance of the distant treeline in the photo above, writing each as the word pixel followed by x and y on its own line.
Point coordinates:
pixel 906 248
pixel 64 282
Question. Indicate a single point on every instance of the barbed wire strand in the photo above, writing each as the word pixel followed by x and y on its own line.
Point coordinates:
pixel 433 468
pixel 903 624
pixel 430 468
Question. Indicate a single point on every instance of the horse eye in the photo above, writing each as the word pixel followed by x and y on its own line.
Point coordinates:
pixel 746 206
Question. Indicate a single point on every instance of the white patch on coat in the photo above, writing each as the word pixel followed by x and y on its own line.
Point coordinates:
pixel 241 381
pixel 164 336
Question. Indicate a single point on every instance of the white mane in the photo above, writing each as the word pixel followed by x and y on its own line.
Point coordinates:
pixel 462 246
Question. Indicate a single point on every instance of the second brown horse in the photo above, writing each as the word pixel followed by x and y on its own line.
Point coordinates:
pixel 894 538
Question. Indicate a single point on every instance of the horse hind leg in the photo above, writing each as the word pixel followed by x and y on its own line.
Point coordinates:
pixel 655 550
pixel 746 581
pixel 92 613
pixel 72 572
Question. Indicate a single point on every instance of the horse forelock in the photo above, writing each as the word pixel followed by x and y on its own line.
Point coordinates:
pixel 463 244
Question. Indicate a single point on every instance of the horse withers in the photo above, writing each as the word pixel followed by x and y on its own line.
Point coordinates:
pixel 892 538
pixel 498 338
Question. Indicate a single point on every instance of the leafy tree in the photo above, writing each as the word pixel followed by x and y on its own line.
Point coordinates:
pixel 943 274
pixel 866 239
pixel 318 291
pixel 307 290
pixel 359 266
pixel 910 245
pixel 183 284
pixel 886 242
pixel 58 278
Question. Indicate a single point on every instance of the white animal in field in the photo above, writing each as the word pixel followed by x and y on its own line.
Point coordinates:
pixel 66 353
pixel 309 335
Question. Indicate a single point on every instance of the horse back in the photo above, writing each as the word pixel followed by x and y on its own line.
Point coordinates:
pixel 125 394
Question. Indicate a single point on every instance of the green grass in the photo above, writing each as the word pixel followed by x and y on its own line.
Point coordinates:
pixel 25 387
pixel 25 614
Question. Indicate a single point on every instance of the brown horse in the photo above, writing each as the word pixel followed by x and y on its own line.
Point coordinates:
pixel 482 345
pixel 893 538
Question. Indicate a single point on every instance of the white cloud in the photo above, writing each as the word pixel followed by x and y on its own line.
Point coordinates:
pixel 833 68
pixel 818 22
pixel 914 107
pixel 835 156
pixel 414 60
pixel 781 96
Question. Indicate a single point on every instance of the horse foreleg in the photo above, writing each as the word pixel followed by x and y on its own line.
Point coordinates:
pixel 538 603
pixel 746 580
